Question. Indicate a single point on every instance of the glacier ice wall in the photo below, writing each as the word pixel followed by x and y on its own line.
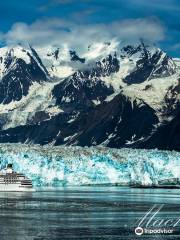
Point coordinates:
pixel 57 166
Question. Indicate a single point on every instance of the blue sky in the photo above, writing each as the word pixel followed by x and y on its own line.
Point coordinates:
pixel 45 20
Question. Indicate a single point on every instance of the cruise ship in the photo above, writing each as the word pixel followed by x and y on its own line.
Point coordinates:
pixel 11 181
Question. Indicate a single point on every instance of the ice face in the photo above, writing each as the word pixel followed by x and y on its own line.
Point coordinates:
pixel 57 166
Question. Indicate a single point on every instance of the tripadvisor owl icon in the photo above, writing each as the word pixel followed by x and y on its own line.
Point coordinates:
pixel 139 231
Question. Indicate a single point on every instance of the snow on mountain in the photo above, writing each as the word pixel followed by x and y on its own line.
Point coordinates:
pixel 13 54
pixel 62 62
pixel 153 92
pixel 177 61
pixel 19 69
pixel 61 166
pixel 59 95
pixel 111 124
pixel 59 61
pixel 97 51
pixel 21 112
pixel 10 55
pixel 159 76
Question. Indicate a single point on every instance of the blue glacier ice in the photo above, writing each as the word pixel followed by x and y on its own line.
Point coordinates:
pixel 59 166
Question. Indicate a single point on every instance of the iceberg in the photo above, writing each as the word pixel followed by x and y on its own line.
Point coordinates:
pixel 62 166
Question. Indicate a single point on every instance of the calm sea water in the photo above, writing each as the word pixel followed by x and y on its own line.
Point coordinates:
pixel 84 213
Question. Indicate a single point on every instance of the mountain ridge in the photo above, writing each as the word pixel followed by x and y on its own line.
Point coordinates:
pixel 53 108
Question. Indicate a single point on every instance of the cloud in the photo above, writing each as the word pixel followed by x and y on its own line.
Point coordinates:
pixel 56 31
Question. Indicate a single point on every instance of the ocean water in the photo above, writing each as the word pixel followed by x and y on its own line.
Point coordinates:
pixel 88 213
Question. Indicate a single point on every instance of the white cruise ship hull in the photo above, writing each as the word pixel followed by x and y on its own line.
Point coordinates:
pixel 14 187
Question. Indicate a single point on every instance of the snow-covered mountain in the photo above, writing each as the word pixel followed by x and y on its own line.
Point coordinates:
pixel 19 68
pixel 110 94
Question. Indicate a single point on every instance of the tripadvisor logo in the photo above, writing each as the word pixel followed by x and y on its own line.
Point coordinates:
pixel 153 222
pixel 139 231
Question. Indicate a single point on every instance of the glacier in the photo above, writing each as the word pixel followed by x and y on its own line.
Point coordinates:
pixel 63 166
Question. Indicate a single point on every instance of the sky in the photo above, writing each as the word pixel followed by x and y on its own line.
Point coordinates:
pixel 79 22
